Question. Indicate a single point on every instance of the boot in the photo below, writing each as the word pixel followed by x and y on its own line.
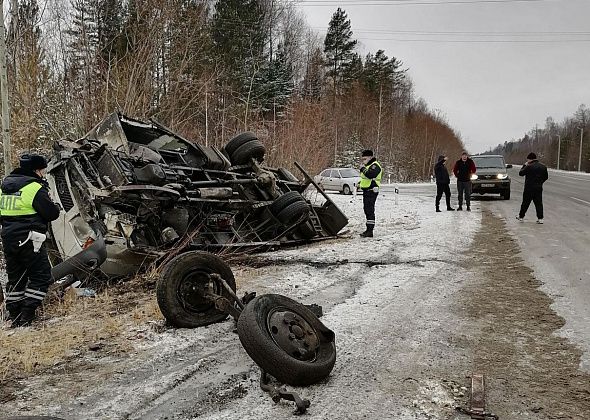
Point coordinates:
pixel 460 208
pixel 468 208
pixel 26 318
pixel 368 233
pixel 437 209
pixel 450 208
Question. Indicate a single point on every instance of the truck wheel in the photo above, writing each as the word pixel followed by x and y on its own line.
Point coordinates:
pixel 287 340
pixel 243 154
pixel 293 212
pixel 285 201
pixel 182 284
pixel 307 230
pixel 238 141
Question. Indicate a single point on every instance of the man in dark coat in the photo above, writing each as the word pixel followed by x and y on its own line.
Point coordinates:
pixel 535 174
pixel 464 168
pixel 25 210
pixel 442 183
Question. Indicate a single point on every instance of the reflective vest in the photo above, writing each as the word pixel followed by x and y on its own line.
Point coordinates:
pixel 366 182
pixel 19 203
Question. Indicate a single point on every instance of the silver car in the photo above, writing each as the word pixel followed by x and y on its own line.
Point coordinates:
pixel 344 180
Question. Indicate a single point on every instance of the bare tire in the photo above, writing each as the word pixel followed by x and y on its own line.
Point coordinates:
pixel 182 284
pixel 243 154
pixel 238 141
pixel 293 212
pixel 285 201
pixel 287 340
pixel 346 190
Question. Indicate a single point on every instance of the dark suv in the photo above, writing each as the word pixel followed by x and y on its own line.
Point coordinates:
pixel 491 177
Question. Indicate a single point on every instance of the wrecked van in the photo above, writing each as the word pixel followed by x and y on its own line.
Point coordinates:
pixel 135 193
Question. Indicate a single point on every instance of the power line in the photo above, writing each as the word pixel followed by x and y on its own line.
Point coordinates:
pixel 406 2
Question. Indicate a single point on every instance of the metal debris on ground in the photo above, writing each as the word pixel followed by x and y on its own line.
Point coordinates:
pixel 280 393
pixel 477 410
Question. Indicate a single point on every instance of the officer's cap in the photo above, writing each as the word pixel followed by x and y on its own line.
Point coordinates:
pixel 367 153
pixel 32 162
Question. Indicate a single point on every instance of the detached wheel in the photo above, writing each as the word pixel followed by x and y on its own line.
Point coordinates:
pixel 238 141
pixel 287 340
pixel 243 154
pixel 182 284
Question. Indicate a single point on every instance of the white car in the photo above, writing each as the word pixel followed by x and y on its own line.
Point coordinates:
pixel 343 180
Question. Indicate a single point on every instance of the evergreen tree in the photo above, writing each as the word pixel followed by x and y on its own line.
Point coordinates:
pixel 339 49
pixel 382 74
pixel 239 37
pixel 313 82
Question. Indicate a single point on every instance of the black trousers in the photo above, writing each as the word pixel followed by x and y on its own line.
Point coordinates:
pixel 464 187
pixel 29 277
pixel 440 190
pixel 369 198
pixel 536 196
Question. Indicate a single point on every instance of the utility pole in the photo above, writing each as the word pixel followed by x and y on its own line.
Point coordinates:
pixel 558 150
pixel 581 144
pixel 4 96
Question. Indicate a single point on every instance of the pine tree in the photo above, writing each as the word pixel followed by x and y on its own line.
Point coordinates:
pixel 339 49
pixel 382 74
pixel 313 82
pixel 239 37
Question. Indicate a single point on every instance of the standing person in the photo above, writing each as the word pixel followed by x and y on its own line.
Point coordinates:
pixel 25 211
pixel 464 168
pixel 371 174
pixel 442 183
pixel 535 174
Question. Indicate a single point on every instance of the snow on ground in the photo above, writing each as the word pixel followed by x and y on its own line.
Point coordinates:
pixel 388 299
pixel 414 250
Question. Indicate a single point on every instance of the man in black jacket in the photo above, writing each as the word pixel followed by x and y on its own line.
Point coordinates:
pixel 464 169
pixel 442 183
pixel 535 174
pixel 25 210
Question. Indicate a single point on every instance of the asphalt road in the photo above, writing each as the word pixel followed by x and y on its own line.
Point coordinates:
pixel 559 250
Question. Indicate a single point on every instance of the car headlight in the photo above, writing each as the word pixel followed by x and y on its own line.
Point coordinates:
pixel 502 176
pixel 473 177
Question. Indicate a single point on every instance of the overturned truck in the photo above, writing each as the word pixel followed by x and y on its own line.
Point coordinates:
pixel 135 193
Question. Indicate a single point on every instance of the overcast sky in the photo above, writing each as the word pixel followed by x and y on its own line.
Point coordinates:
pixel 490 91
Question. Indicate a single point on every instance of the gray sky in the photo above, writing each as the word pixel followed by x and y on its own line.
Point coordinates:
pixel 490 91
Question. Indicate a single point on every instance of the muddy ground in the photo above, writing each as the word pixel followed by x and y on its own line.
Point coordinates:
pixel 413 319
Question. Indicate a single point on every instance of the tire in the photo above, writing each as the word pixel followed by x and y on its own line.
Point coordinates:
pixel 238 141
pixel 294 212
pixel 261 333
pixel 287 175
pixel 180 303
pixel 307 230
pixel 252 149
pixel 285 201
pixel 506 195
pixel 346 190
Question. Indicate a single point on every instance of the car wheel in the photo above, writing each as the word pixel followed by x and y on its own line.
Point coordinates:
pixel 182 284
pixel 287 340
pixel 243 154
pixel 293 213
pixel 346 190
pixel 284 201
pixel 506 195
pixel 239 141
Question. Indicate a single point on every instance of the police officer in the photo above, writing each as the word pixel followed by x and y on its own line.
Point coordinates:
pixel 371 174
pixel 25 210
